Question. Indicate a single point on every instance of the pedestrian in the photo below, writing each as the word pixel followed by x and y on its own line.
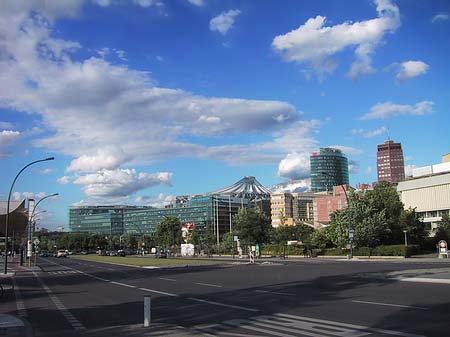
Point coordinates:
pixel 305 251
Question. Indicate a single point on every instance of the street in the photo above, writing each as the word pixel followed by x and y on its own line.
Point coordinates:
pixel 308 297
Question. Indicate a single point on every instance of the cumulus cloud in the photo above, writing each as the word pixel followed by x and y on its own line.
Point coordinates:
pixel 64 180
pixel 440 17
pixel 314 43
pixel 7 138
pixel 302 185
pixel 28 195
pixel 370 134
pixel 224 21
pixel 123 109
pixel 389 110
pixel 295 166
pixel 157 201
pixel 120 183
pixel 411 69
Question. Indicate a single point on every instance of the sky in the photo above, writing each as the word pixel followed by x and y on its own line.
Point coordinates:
pixel 143 100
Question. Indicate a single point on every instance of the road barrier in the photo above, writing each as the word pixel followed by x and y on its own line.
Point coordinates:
pixel 147 310
pixel 252 258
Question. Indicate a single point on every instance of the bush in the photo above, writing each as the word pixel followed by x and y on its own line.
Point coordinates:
pixel 388 250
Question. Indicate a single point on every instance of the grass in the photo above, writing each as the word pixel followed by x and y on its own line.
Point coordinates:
pixel 142 261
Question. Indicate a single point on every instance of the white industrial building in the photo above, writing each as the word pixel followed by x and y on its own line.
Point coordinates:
pixel 428 192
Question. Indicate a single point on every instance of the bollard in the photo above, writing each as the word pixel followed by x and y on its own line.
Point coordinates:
pixel 147 310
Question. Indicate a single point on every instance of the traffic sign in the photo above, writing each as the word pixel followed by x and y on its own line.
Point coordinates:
pixel 443 247
pixel 36 242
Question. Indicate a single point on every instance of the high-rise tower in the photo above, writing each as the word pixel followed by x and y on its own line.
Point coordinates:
pixel 329 168
pixel 390 163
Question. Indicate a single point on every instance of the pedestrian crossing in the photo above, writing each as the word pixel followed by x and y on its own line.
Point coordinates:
pixel 63 272
pixel 283 325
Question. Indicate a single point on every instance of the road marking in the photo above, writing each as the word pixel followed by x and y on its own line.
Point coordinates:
pixel 223 304
pixel 273 292
pixel 21 311
pixel 66 313
pixel 392 305
pixel 167 279
pixel 209 285
pixel 424 280
pixel 158 292
pixel 282 325
pixel 123 284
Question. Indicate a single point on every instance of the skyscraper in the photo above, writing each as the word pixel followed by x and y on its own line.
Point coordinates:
pixel 390 164
pixel 329 168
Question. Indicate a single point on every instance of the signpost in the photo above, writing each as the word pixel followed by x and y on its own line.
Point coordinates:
pixel 351 234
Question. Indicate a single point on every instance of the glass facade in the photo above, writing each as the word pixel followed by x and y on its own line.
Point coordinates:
pixel 215 211
pixel 329 168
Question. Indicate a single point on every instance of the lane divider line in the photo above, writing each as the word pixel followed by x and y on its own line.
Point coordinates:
pixel 392 305
pixel 209 285
pixel 123 284
pixel 273 292
pixel 223 304
pixel 75 323
pixel 167 279
pixel 158 292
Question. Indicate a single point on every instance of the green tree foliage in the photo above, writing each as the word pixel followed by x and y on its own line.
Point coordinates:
pixel 417 230
pixel 443 229
pixel 252 225
pixel 209 240
pixel 168 233
pixel 319 239
pixel 227 243
pixel 194 237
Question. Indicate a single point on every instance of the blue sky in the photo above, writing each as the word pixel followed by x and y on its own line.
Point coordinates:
pixel 143 100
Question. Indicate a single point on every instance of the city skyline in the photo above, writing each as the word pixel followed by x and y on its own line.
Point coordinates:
pixel 186 97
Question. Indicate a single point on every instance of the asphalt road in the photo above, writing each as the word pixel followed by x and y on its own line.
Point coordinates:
pixel 303 298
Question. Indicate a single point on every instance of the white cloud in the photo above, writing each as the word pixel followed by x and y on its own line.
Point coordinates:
pixel 28 195
pixel 64 180
pixel 104 159
pixel 314 43
pixel 411 69
pixel 198 3
pixel 224 22
pixel 440 17
pixel 120 183
pixel 7 138
pixel 6 125
pixel 158 201
pixel 353 167
pixel 409 169
pixel 369 134
pixel 47 171
pixel 347 149
pixel 389 109
pixel 295 166
pixel 302 185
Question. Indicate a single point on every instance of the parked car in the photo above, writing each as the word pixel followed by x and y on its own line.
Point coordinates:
pixel 161 255
pixel 121 252
pixel 61 253
pixel 44 253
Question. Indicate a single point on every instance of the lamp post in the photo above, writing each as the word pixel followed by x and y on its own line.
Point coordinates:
pixel 406 238
pixel 350 228
pixel 30 230
pixel 7 208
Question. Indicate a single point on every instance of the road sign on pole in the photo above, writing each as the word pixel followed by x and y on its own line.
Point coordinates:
pixel 36 242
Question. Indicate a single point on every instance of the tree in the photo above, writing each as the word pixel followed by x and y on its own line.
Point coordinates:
pixel 443 228
pixel 209 240
pixel 319 239
pixel 168 232
pixel 417 230
pixel 252 225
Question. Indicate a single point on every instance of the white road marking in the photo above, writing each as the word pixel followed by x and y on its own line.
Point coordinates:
pixel 167 279
pixel 158 292
pixel 19 302
pixel 425 280
pixel 209 285
pixel 123 284
pixel 273 292
pixel 282 325
pixel 223 304
pixel 392 305
pixel 66 313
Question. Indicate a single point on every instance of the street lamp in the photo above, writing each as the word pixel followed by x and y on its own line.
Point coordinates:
pixel 7 208
pixel 32 219
pixel 350 228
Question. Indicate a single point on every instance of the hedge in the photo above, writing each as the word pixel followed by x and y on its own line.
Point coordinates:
pixel 384 250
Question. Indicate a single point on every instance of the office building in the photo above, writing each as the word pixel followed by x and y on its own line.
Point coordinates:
pixel 329 168
pixel 281 209
pixel 429 194
pixel 390 163
pixel 325 204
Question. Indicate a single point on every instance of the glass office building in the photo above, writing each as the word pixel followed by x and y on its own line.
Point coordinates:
pixel 329 168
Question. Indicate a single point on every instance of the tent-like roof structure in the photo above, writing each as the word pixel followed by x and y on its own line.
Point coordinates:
pixel 248 187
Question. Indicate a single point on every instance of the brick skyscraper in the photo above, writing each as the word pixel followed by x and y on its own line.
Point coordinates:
pixel 390 163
